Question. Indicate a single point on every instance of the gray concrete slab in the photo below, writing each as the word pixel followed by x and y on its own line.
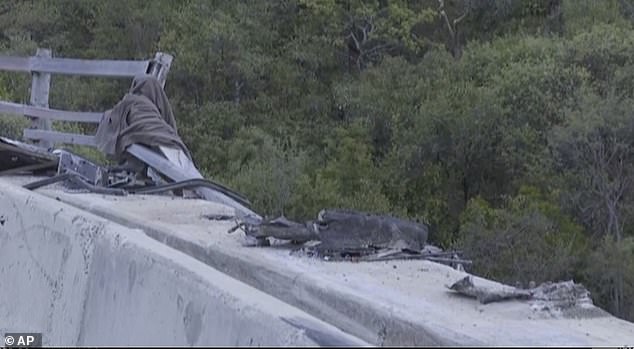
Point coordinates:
pixel 384 303
pixel 84 280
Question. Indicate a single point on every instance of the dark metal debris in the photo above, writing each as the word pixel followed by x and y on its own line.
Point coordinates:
pixel 349 229
pixel 354 235
pixel 17 157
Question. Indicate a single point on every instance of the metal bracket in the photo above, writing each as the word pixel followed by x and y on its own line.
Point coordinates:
pixel 74 164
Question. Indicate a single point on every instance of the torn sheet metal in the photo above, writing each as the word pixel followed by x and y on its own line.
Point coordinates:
pixel 284 229
pixel 179 172
pixel 565 298
pixel 89 172
pixel 341 229
pixel 350 229
pixel 17 157
pixel 349 234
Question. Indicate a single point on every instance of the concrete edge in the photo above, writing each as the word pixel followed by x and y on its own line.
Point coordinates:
pixel 352 314
pixel 295 323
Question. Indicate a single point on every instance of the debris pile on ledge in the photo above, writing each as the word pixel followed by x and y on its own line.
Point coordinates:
pixel 336 234
pixel 140 134
pixel 341 234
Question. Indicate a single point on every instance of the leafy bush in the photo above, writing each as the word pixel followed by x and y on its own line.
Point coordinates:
pixel 528 239
pixel 11 126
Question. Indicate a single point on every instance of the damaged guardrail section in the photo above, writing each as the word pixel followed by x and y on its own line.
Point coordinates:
pixel 43 65
pixel 82 280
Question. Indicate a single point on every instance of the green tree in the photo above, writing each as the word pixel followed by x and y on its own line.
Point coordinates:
pixel 594 154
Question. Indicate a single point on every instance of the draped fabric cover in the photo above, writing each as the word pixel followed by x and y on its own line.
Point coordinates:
pixel 144 116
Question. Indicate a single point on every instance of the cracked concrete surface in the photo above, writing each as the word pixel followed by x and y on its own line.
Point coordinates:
pixel 83 280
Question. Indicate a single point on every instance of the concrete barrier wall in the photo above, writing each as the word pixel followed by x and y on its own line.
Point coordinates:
pixel 82 280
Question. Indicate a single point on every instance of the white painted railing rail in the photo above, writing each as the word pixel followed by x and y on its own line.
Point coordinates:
pixel 42 65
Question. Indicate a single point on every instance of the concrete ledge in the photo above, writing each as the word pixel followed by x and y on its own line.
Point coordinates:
pixel 357 314
pixel 82 280
pixel 396 303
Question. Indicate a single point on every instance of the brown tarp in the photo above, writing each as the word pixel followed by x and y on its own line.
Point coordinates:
pixel 143 116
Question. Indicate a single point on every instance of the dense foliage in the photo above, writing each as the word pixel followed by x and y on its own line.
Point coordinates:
pixel 507 125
